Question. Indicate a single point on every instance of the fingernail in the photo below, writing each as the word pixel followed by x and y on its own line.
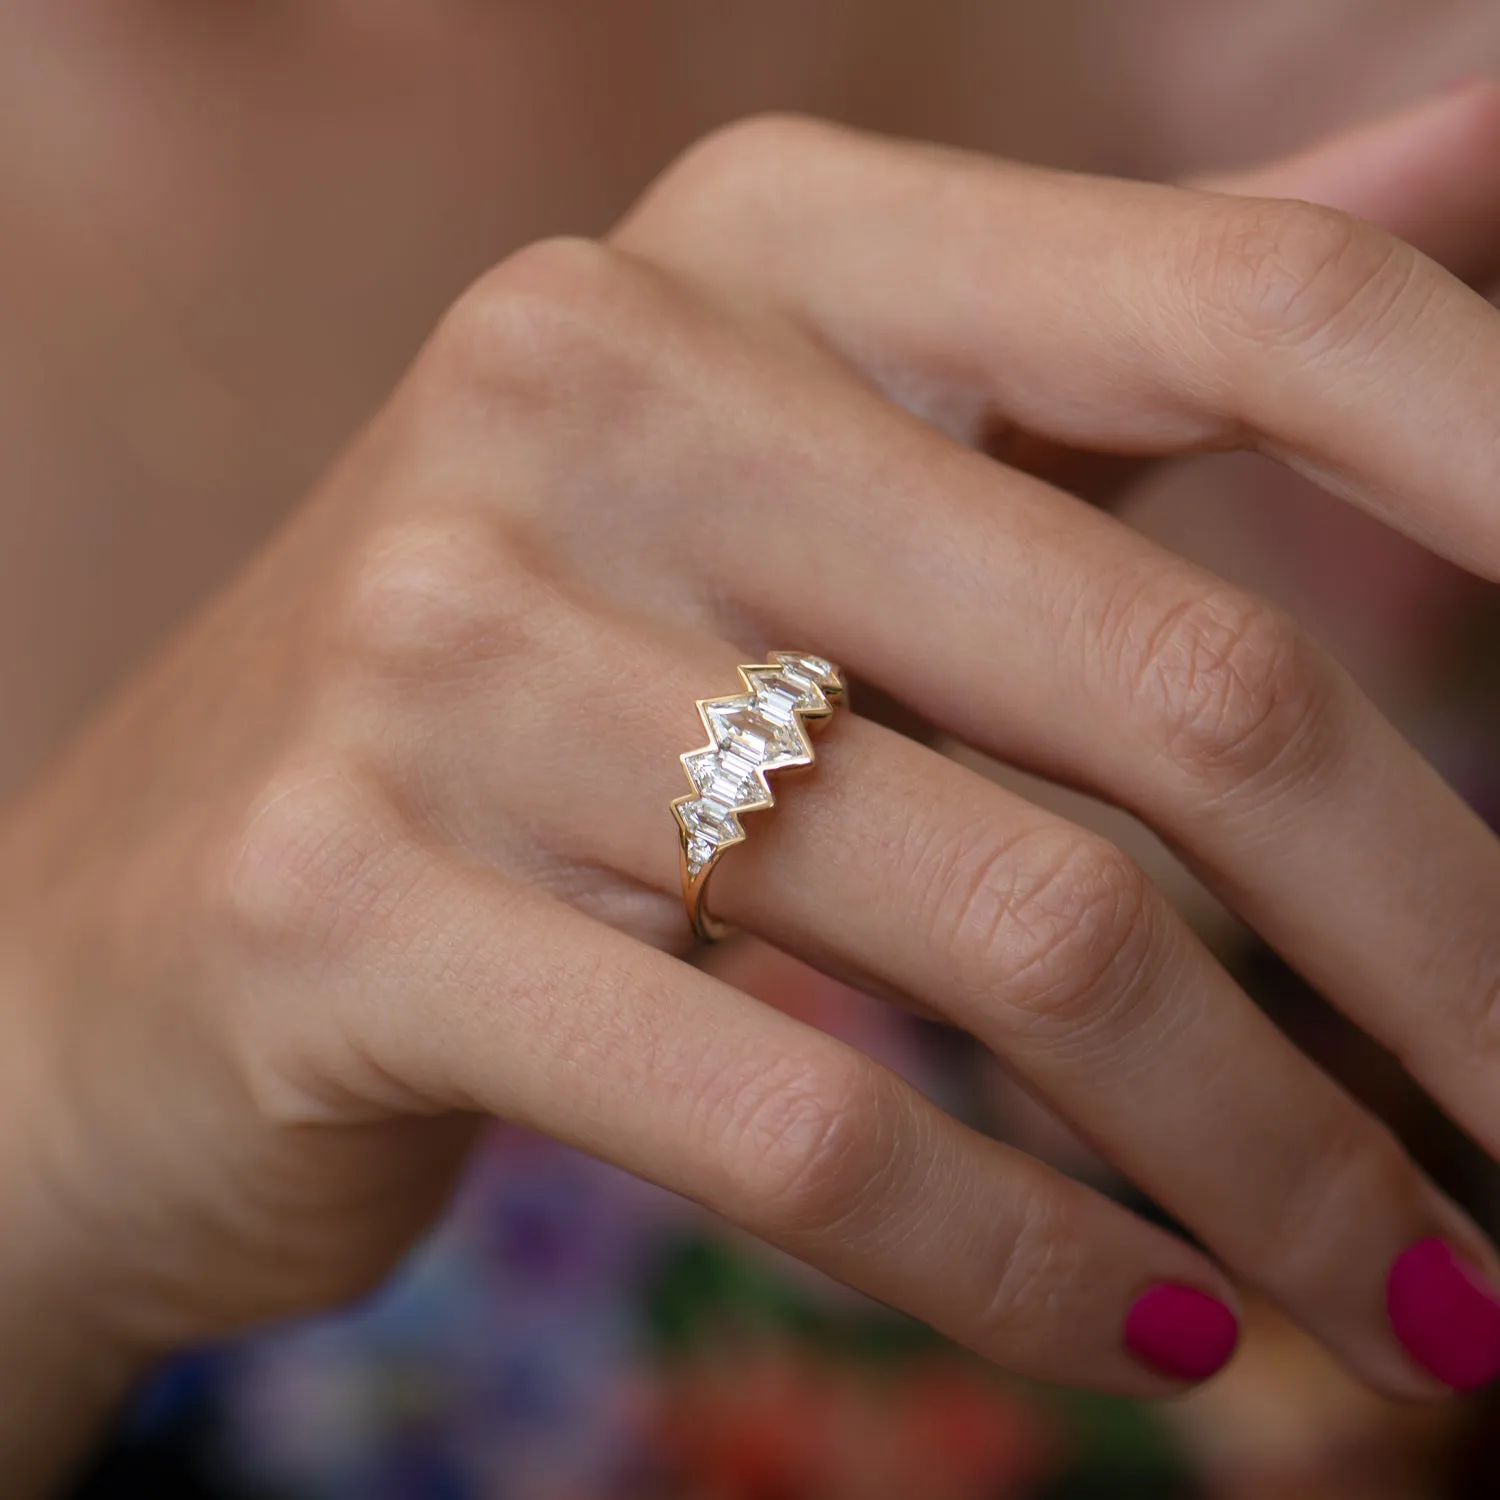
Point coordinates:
pixel 1446 1314
pixel 1182 1332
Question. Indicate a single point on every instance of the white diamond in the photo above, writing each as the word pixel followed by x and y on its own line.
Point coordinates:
pixel 778 695
pixel 727 778
pixel 806 681
pixel 824 673
pixel 740 728
pixel 699 851
pixel 705 818
pixel 709 827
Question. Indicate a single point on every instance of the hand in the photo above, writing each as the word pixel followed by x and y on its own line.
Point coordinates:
pixel 381 846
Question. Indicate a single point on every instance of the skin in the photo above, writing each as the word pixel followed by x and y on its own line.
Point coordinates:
pixel 375 847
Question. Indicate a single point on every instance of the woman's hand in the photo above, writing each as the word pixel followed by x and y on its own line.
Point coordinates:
pixel 381 846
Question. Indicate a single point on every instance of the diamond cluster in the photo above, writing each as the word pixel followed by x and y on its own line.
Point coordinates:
pixel 750 734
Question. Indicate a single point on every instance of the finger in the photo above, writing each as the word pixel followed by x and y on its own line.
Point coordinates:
pixel 933 570
pixel 904 872
pixel 1053 949
pixel 1109 315
pixel 1049 635
pixel 1107 663
pixel 1424 175
pixel 471 994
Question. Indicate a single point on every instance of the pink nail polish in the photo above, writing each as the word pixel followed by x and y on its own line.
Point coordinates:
pixel 1446 1315
pixel 1182 1332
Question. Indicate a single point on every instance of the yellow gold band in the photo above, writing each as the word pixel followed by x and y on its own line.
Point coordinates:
pixel 766 728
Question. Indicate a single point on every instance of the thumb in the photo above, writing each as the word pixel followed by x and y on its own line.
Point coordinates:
pixel 1428 175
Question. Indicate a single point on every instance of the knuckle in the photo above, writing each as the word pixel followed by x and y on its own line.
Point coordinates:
pixel 811 1139
pixel 1278 271
pixel 1230 687
pixel 299 867
pixel 431 598
pixel 1028 1293
pixel 748 161
pixel 543 325
pixel 1059 928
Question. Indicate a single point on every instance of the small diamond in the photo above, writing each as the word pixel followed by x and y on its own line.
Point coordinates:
pixel 708 824
pixel 824 673
pixel 709 828
pixel 740 728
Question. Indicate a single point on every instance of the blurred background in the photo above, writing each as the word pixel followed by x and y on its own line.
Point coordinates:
pixel 224 230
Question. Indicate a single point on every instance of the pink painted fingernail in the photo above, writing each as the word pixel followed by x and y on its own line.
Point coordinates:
pixel 1182 1332
pixel 1446 1314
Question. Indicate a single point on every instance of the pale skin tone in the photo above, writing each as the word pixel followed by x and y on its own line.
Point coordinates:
pixel 377 847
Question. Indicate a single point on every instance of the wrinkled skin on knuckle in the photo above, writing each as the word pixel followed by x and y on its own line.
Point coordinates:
pixel 731 177
pixel 808 1141
pixel 588 397
pixel 1269 272
pixel 1054 932
pixel 1028 1299
pixel 299 887
pixel 552 329
pixel 1229 689
pixel 293 876
pixel 430 598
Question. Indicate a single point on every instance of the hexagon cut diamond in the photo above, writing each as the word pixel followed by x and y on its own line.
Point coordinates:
pixel 739 727
pixel 822 672
pixel 780 695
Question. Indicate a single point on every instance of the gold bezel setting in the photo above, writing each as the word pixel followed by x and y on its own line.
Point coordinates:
pixel 765 729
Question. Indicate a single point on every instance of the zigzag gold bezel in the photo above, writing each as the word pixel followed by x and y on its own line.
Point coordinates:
pixel 815 690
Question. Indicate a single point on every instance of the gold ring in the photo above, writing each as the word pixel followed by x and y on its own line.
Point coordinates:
pixel 766 728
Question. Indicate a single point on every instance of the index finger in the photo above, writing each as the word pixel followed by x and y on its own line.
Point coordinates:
pixel 1117 316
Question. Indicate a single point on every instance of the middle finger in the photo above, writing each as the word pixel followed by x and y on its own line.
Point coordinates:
pixel 1053 636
